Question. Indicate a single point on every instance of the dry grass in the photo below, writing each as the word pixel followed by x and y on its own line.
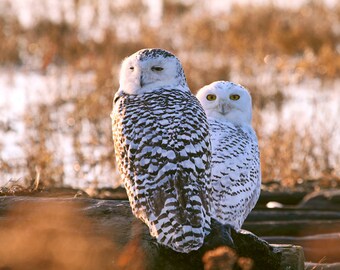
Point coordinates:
pixel 210 48
pixel 294 157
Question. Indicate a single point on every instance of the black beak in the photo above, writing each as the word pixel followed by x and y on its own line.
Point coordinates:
pixel 141 82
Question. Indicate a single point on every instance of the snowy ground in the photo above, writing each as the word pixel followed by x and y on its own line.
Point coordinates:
pixel 21 90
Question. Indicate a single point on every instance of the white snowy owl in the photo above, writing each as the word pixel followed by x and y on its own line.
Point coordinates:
pixel 235 165
pixel 162 146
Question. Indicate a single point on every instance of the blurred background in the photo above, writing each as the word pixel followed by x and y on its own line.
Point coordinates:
pixel 59 62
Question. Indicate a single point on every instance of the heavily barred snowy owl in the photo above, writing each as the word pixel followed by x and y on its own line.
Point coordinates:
pixel 163 152
pixel 236 173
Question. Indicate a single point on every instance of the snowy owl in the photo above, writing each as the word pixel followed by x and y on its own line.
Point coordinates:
pixel 235 165
pixel 163 152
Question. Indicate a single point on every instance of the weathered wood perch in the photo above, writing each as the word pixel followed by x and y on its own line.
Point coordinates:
pixel 59 233
pixel 315 247
pixel 293 228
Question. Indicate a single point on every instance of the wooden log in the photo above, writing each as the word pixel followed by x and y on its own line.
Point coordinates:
pixel 322 266
pixel 316 247
pixel 293 228
pixel 292 214
pixel 283 197
pixel 324 199
pixel 292 257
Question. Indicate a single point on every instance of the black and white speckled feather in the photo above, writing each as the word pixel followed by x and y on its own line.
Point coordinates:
pixel 163 153
pixel 236 173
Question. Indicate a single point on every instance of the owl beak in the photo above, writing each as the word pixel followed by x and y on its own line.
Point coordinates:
pixel 224 108
pixel 141 81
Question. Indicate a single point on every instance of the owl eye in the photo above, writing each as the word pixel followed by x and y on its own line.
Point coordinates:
pixel 156 68
pixel 132 68
pixel 211 97
pixel 234 97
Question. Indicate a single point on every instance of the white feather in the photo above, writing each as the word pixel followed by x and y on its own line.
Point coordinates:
pixel 236 173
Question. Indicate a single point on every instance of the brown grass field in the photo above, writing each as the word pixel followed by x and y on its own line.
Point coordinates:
pixel 248 41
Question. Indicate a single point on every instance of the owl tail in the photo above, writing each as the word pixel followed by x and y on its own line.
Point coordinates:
pixel 182 230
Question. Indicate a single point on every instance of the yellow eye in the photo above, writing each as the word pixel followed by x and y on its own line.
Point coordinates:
pixel 211 97
pixel 234 97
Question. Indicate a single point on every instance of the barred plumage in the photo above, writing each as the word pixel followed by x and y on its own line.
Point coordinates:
pixel 163 153
pixel 236 174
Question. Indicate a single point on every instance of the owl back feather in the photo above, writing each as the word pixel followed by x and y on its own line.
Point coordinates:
pixel 163 153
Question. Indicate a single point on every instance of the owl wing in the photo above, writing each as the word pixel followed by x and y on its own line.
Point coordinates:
pixel 236 175
pixel 163 152
pixel 255 173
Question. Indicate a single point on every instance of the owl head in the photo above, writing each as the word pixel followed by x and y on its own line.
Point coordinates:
pixel 150 69
pixel 228 101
